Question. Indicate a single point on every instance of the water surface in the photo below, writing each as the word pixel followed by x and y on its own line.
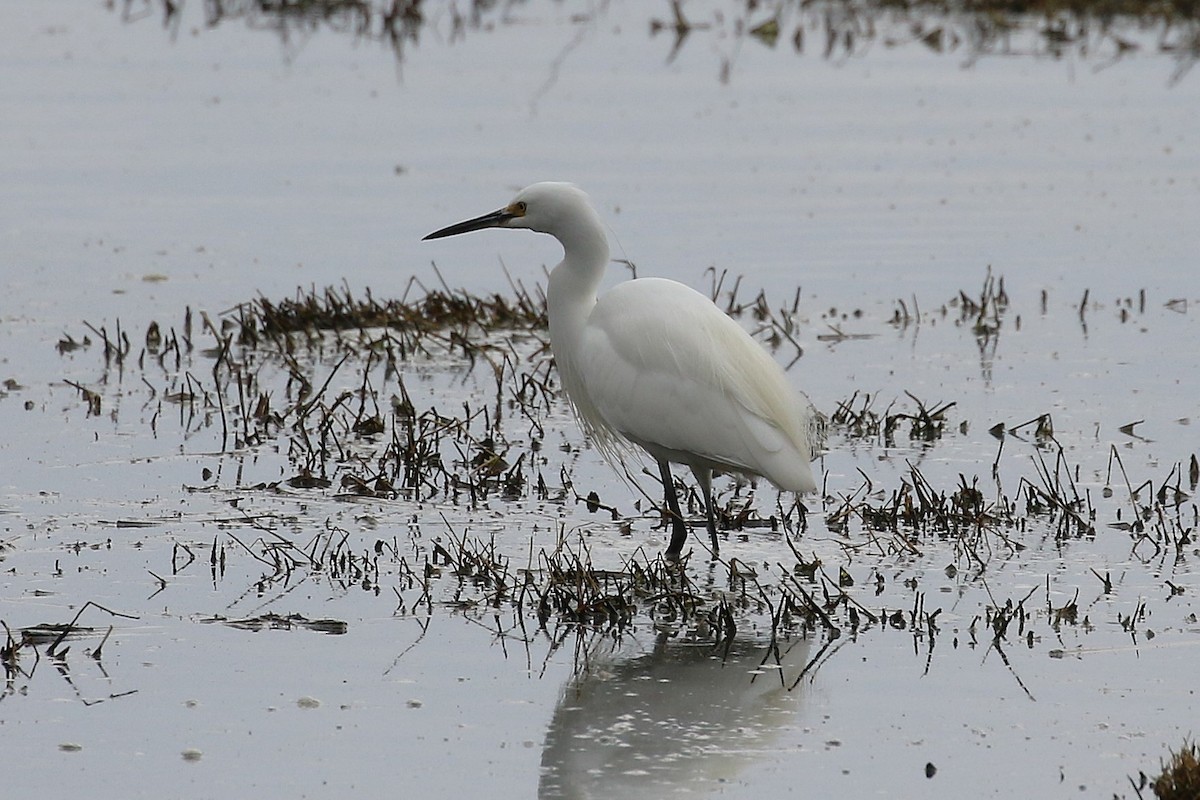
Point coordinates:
pixel 149 170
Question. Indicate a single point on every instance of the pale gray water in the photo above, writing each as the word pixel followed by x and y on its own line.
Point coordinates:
pixel 145 172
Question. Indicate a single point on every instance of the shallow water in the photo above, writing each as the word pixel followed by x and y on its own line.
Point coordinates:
pixel 149 170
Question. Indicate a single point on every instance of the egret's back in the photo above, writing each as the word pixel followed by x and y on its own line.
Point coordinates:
pixel 664 367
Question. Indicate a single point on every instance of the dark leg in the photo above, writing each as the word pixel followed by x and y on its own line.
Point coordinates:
pixel 678 528
pixel 704 478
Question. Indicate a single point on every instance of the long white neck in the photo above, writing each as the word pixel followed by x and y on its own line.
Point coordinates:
pixel 571 292
pixel 571 296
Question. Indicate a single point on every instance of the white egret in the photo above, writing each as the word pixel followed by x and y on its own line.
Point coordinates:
pixel 655 363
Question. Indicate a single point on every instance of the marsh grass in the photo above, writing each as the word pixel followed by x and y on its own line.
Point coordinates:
pixel 445 400
pixel 1102 31
pixel 1180 776
pixel 22 651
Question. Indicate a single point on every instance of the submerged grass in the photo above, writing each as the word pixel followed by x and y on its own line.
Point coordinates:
pixel 327 379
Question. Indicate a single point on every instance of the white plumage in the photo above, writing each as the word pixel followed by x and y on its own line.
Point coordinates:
pixel 655 363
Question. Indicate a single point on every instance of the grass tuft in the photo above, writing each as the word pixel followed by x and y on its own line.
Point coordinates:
pixel 1180 778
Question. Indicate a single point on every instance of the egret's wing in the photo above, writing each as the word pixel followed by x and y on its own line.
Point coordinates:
pixel 662 365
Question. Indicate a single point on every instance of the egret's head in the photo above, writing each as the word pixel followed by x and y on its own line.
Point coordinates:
pixel 543 207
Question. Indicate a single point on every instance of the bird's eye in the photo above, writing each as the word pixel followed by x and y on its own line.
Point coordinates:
pixel 520 207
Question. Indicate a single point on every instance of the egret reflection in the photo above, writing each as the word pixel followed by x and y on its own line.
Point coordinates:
pixel 677 719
